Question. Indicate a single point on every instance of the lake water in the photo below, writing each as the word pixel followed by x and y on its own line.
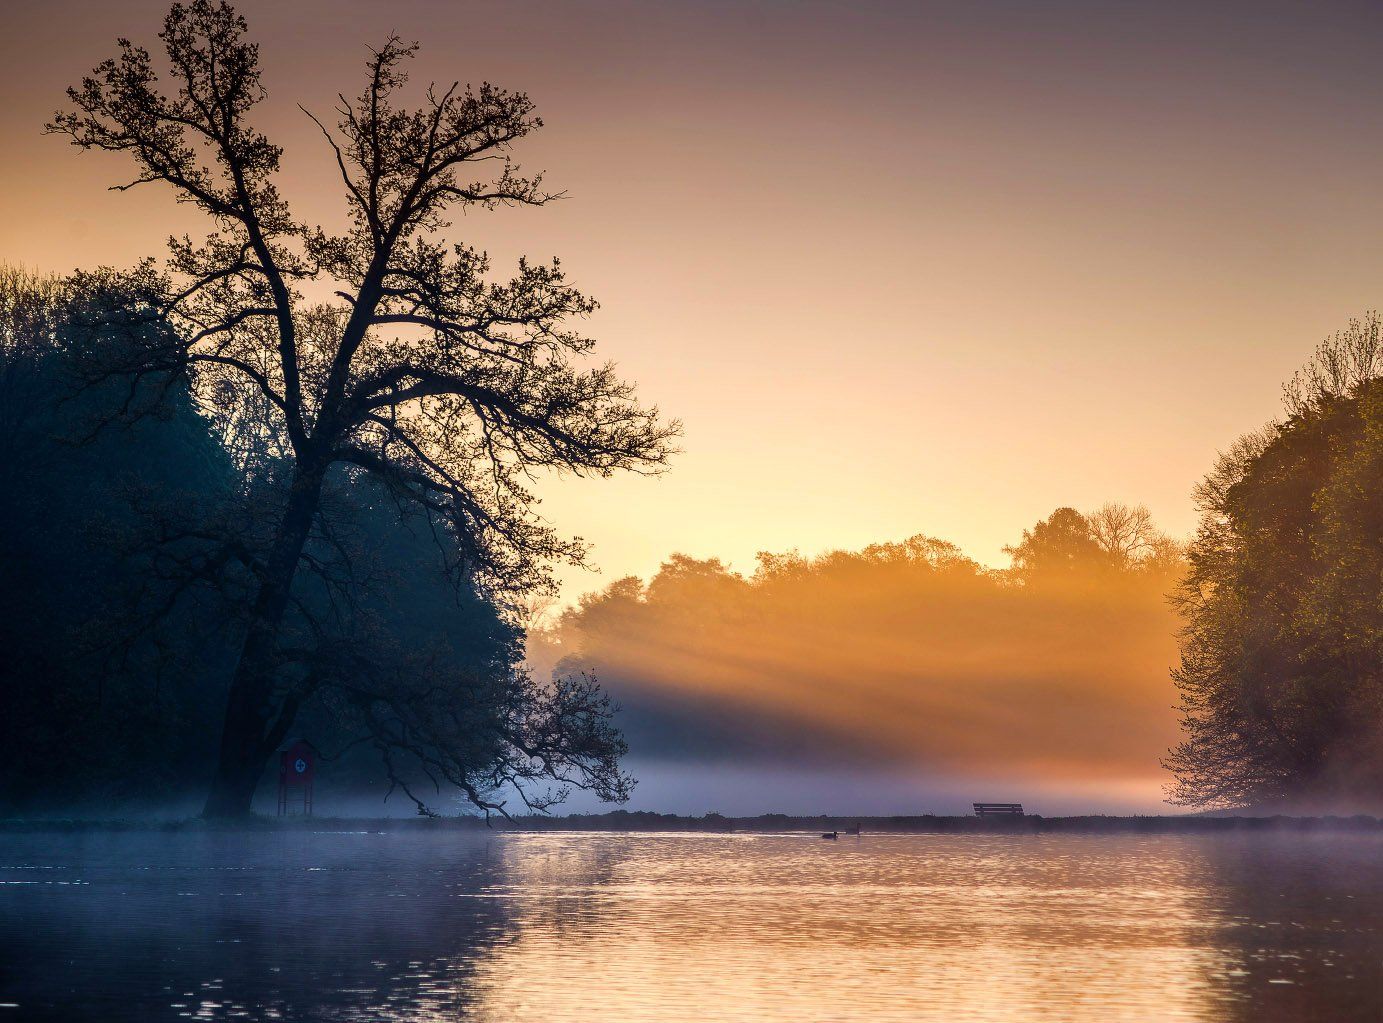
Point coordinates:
pixel 563 927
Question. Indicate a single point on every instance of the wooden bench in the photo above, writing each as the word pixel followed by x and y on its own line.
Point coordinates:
pixel 998 809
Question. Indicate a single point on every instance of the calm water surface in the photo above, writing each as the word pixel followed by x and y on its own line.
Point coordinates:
pixel 564 927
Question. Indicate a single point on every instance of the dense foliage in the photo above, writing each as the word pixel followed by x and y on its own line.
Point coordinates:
pixel 379 362
pixel 121 609
pixel 88 713
pixel 1281 670
pixel 904 652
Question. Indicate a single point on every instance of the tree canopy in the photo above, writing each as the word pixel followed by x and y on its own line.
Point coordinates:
pixel 903 653
pixel 90 714
pixel 120 633
pixel 1281 671
pixel 377 362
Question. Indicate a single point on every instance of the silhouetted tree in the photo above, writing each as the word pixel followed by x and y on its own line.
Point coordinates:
pixel 1124 533
pixel 1070 546
pixel 1281 671
pixel 447 388
pixel 117 619
pixel 1059 545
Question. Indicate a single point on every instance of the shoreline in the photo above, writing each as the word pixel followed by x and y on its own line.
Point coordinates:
pixel 645 822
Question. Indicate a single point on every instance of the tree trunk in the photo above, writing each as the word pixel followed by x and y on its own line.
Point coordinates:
pixel 244 749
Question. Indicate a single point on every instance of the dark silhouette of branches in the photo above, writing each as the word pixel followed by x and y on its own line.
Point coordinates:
pixel 450 388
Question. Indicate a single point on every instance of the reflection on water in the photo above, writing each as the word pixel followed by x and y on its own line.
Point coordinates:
pixel 558 927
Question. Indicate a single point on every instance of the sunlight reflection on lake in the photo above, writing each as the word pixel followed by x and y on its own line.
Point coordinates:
pixel 563 927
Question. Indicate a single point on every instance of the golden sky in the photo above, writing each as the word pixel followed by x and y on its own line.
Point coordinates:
pixel 900 268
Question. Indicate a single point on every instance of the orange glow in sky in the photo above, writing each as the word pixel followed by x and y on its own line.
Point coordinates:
pixel 899 268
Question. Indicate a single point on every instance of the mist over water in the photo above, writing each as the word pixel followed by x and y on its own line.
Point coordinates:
pixel 901 678
pixel 805 789
pixel 562 927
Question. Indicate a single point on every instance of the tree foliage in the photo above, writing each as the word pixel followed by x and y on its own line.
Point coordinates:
pixel 1281 671
pixel 119 623
pixel 1069 546
pixel 905 652
pixel 376 363
pixel 90 713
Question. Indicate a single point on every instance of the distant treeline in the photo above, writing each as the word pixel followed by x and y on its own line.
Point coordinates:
pixel 910 653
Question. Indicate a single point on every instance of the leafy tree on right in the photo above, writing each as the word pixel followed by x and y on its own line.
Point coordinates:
pixel 1281 673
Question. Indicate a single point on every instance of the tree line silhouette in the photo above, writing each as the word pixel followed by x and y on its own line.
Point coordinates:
pixel 905 654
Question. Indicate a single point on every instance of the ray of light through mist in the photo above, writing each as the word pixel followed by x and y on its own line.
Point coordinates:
pixel 909 669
